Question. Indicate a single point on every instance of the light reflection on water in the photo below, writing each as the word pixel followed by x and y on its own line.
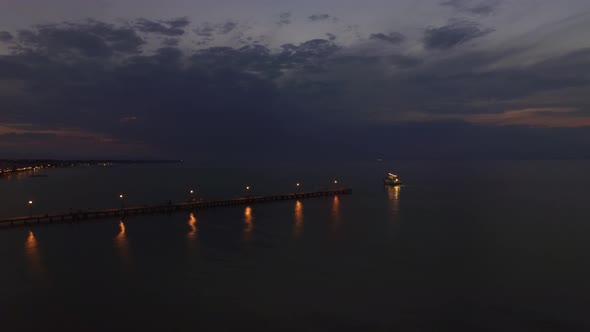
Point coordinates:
pixel 18 175
pixel 336 212
pixel 393 195
pixel 248 223
pixel 192 223
pixel 121 242
pixel 298 227
pixel 32 255
pixel 382 270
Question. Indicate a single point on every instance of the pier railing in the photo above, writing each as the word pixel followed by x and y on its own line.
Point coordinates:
pixel 82 215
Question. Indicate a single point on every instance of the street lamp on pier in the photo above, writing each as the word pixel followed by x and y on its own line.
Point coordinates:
pixel 336 186
pixel 30 208
pixel 122 198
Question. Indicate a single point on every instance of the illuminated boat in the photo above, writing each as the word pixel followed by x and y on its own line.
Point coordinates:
pixel 392 180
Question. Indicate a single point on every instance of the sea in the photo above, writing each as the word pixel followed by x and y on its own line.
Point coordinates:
pixel 460 246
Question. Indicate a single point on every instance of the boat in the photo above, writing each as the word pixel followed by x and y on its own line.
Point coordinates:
pixel 392 180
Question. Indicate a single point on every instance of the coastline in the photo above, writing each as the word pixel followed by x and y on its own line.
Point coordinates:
pixel 10 167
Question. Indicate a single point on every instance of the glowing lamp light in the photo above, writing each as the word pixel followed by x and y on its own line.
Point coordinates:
pixel 30 202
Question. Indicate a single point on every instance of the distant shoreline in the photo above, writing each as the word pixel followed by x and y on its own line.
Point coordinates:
pixel 15 166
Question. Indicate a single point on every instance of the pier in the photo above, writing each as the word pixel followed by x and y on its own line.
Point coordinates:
pixel 78 216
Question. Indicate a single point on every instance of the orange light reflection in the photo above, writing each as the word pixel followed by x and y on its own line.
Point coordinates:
pixel 121 241
pixel 298 227
pixel 192 223
pixel 336 211
pixel 249 223
pixel 32 255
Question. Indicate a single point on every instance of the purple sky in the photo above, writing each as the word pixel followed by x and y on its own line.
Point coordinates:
pixel 457 78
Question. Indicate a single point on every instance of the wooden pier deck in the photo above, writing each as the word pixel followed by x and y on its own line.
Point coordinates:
pixel 77 216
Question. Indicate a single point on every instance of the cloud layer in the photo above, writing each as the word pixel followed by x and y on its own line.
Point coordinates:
pixel 228 90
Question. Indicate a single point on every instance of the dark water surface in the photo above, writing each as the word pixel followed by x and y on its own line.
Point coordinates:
pixel 463 246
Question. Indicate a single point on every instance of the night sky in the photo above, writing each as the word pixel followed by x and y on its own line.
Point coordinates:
pixel 233 80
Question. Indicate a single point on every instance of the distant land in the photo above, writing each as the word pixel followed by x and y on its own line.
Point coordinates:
pixel 12 166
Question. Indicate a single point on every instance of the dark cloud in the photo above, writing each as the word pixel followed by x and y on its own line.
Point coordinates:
pixel 193 105
pixel 90 39
pixel 147 26
pixel 315 99
pixel 227 27
pixel 404 61
pixel 331 36
pixel 13 68
pixel 205 31
pixel 453 34
pixel 311 54
pixel 284 18
pixel 362 60
pixel 178 23
pixel 169 55
pixel 393 37
pixel 58 41
pixel 477 7
pixel 170 42
pixel 227 57
pixel 456 140
pixel 209 30
pixel 6 36
pixel 315 48
pixel 220 94
pixel 398 88
pixel 319 17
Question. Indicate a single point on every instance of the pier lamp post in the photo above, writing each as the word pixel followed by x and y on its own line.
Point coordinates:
pixel 191 193
pixel 298 185
pixel 337 185
pixel 30 208
pixel 122 198
pixel 248 191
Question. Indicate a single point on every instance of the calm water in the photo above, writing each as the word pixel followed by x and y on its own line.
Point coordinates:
pixel 474 246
